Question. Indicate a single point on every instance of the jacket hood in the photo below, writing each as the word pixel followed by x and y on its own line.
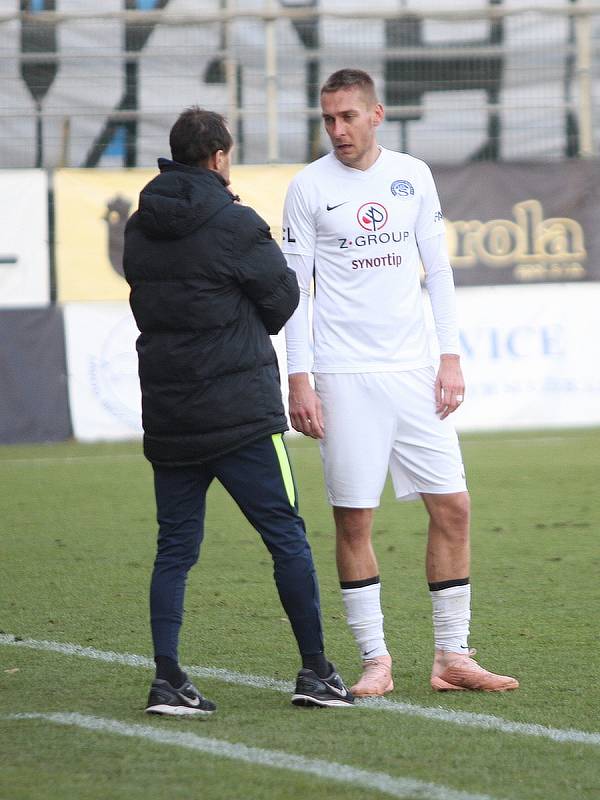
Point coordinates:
pixel 180 200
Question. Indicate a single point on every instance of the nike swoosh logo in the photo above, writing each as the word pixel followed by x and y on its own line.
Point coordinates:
pixel 191 701
pixel 339 692
pixel 330 208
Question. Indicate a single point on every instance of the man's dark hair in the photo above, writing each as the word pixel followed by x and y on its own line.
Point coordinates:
pixel 198 134
pixel 349 79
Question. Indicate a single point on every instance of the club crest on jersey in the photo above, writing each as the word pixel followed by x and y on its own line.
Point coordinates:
pixel 372 216
pixel 402 189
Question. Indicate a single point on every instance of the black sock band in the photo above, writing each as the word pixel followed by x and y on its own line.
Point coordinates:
pixel 169 670
pixel 359 584
pixel 318 663
pixel 436 587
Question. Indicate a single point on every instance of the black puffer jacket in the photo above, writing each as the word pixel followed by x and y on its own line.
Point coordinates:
pixel 208 286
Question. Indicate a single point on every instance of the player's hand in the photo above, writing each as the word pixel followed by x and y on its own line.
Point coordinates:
pixel 306 413
pixel 449 385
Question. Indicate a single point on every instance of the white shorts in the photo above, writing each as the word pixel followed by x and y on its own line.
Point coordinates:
pixel 380 421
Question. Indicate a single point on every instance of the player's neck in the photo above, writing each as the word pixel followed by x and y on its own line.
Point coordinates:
pixel 367 160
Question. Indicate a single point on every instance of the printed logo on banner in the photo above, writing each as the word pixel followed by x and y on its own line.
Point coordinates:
pixel 534 248
pixel 114 375
pixel 117 214
pixel 516 342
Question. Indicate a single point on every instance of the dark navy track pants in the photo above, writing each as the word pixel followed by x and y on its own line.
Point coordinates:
pixel 259 478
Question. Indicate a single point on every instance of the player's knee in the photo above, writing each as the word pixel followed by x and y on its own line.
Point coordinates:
pixel 451 515
pixel 353 525
pixel 461 508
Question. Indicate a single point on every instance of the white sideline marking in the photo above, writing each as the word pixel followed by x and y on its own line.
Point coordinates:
pixel 486 721
pixel 132 660
pixel 278 759
pixel 463 718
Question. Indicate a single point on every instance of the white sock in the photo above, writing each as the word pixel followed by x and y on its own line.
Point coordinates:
pixel 365 619
pixel 451 617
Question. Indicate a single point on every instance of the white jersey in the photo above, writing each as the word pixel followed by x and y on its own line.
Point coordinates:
pixel 360 231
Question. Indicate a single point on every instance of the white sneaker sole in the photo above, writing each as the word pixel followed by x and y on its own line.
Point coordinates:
pixel 307 700
pixel 178 711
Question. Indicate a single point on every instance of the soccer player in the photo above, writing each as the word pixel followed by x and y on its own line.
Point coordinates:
pixel 208 286
pixel 359 221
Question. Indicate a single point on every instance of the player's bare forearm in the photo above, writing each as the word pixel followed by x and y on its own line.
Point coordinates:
pixel 306 413
pixel 449 385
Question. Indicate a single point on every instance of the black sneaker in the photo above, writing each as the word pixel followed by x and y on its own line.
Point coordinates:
pixel 321 692
pixel 186 701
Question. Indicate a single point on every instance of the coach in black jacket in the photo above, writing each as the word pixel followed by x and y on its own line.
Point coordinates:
pixel 208 286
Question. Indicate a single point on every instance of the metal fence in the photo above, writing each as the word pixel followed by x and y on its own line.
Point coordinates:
pixel 493 79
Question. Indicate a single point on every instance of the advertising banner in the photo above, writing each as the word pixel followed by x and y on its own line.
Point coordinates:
pixel 24 263
pixel 104 392
pixel 522 223
pixel 505 222
pixel 529 356
pixel 33 387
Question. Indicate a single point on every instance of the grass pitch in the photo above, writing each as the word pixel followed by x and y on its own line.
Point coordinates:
pixel 77 546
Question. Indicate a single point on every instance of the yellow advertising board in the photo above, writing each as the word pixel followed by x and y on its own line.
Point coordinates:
pixel 92 207
pixel 263 188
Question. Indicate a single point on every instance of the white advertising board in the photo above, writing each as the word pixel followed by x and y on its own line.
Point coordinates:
pixel 24 264
pixel 530 356
pixel 104 393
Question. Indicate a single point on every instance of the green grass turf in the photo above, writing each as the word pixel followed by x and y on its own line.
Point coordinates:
pixel 77 546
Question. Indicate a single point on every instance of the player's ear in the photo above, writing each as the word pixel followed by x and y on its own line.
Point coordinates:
pixel 378 115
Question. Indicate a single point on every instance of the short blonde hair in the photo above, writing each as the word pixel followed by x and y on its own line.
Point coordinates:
pixel 348 78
